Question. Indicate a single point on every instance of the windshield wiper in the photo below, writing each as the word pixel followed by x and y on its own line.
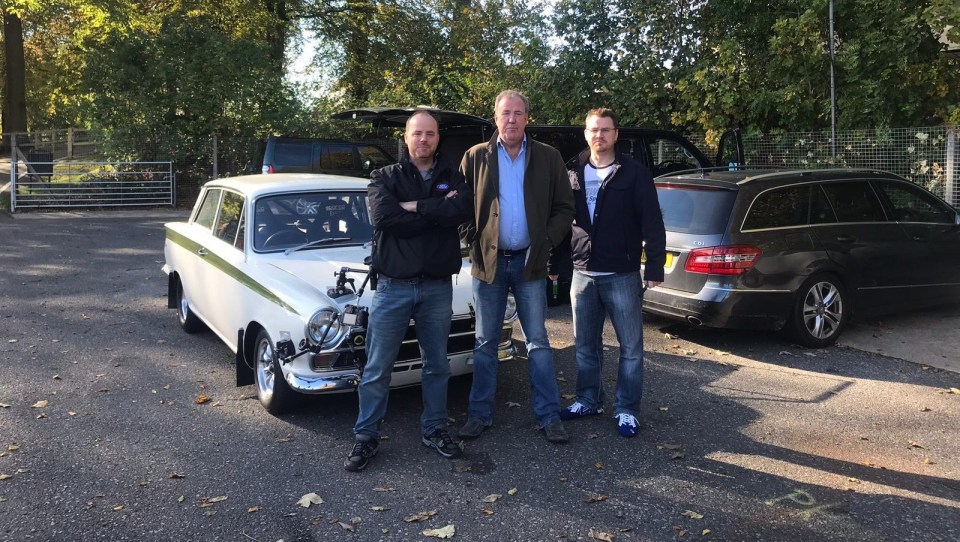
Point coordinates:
pixel 315 243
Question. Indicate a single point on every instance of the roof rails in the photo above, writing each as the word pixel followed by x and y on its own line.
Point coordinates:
pixel 708 170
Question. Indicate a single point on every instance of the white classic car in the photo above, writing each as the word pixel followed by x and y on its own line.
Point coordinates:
pixel 272 264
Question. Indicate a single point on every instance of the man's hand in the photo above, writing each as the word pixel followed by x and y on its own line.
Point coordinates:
pixel 653 284
pixel 553 277
pixel 451 194
pixel 410 206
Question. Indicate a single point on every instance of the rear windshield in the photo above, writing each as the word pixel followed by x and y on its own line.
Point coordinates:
pixel 697 210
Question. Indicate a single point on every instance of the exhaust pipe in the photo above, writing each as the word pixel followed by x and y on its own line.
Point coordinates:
pixel 694 321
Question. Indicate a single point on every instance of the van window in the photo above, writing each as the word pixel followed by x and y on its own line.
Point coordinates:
pixel 337 157
pixel 669 156
pixel 373 157
pixel 291 154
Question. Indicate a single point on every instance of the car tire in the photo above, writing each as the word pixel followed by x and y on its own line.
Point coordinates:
pixel 821 311
pixel 188 320
pixel 272 389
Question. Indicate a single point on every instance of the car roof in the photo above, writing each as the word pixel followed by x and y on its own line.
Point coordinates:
pixel 724 176
pixel 276 183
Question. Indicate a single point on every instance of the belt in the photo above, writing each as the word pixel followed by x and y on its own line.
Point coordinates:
pixel 510 253
pixel 413 280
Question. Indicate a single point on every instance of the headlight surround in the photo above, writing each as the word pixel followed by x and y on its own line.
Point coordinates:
pixel 324 325
pixel 511 313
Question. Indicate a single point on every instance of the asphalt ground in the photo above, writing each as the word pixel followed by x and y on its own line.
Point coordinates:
pixel 745 436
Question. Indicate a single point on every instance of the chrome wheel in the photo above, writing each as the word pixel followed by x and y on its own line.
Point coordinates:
pixel 820 312
pixel 266 377
pixel 188 321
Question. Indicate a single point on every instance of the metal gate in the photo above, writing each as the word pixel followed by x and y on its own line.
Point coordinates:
pixel 39 182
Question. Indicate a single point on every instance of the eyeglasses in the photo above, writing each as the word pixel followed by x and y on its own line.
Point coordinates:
pixel 595 131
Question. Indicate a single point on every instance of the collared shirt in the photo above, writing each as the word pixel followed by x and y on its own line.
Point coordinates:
pixel 514 234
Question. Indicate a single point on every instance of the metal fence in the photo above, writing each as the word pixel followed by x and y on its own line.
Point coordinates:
pixel 927 156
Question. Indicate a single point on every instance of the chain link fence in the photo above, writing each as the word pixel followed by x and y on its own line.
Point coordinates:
pixel 928 156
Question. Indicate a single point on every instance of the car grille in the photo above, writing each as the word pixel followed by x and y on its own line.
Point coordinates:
pixel 352 351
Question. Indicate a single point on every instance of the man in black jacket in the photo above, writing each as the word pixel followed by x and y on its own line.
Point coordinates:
pixel 416 206
pixel 617 211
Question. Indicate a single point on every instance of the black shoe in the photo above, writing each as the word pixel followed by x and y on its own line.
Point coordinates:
pixel 472 428
pixel 441 441
pixel 555 432
pixel 363 452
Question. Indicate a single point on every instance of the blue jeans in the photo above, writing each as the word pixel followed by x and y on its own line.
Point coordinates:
pixel 429 302
pixel 621 296
pixel 491 301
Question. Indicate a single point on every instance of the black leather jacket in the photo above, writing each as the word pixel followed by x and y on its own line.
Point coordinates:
pixel 425 243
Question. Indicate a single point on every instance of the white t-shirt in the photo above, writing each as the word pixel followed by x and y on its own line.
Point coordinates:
pixel 592 180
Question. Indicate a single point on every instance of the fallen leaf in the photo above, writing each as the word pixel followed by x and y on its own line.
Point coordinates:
pixel 443 532
pixel 201 399
pixel 379 508
pixel 670 446
pixel 705 532
pixel 57 377
pixel 669 337
pixel 5 477
pixel 118 508
pixel 355 520
pixel 511 404
pixel 680 531
pixel 924 409
pixel 926 461
pixel 677 455
pixel 785 353
pixel 253 509
pixel 914 444
pixel 71 413
pixel 383 489
pixel 345 526
pixel 41 416
pixel 492 498
pixel 569 396
pixel 4 405
pixel 596 498
pixel 487 511
pixel 287 438
pixel 181 498
pixel 691 514
pixel 512 491
pixel 600 535
pixel 207 502
pixel 40 404
pixel 599 466
pixel 592 436
pixel 308 499
pixel 176 475
pixel 664 409
pixel 955 391
pixel 422 516
pixel 13 448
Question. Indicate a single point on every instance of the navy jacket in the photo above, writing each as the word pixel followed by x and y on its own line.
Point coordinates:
pixel 626 220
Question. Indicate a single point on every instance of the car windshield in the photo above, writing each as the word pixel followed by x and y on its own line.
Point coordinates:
pixel 283 221
pixel 698 210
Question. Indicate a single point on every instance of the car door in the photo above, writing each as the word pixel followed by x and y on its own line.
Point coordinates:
pixel 224 284
pixel 932 226
pixel 877 255
pixel 730 149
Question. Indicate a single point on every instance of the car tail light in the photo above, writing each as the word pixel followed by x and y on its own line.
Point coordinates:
pixel 730 260
pixel 267 169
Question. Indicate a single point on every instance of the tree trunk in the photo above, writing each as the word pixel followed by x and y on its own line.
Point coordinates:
pixel 15 88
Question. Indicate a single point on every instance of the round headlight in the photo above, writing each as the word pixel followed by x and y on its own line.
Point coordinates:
pixel 511 313
pixel 324 328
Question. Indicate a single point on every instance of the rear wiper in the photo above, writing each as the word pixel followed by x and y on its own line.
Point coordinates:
pixel 315 243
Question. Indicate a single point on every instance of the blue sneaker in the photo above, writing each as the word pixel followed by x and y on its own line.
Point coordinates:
pixel 579 410
pixel 627 424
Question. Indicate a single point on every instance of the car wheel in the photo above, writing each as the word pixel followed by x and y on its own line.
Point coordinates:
pixel 821 311
pixel 188 321
pixel 273 391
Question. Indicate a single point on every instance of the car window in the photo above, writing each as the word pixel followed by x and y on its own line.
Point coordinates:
pixel 208 208
pixel 285 220
pixel 854 201
pixel 779 208
pixel 695 209
pixel 228 221
pixel 372 157
pixel 337 157
pixel 669 155
pixel 913 204
pixel 292 153
pixel 820 210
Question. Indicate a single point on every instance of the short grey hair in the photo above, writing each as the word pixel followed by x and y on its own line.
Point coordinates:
pixel 510 93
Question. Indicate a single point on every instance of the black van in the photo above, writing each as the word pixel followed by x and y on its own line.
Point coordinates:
pixel 334 156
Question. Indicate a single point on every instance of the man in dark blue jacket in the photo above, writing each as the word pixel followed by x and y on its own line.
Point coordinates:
pixel 415 206
pixel 617 218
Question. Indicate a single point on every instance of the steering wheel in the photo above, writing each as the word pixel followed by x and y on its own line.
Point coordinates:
pixel 285 237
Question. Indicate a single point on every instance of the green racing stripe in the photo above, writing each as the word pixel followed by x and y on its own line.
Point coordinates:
pixel 228 269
